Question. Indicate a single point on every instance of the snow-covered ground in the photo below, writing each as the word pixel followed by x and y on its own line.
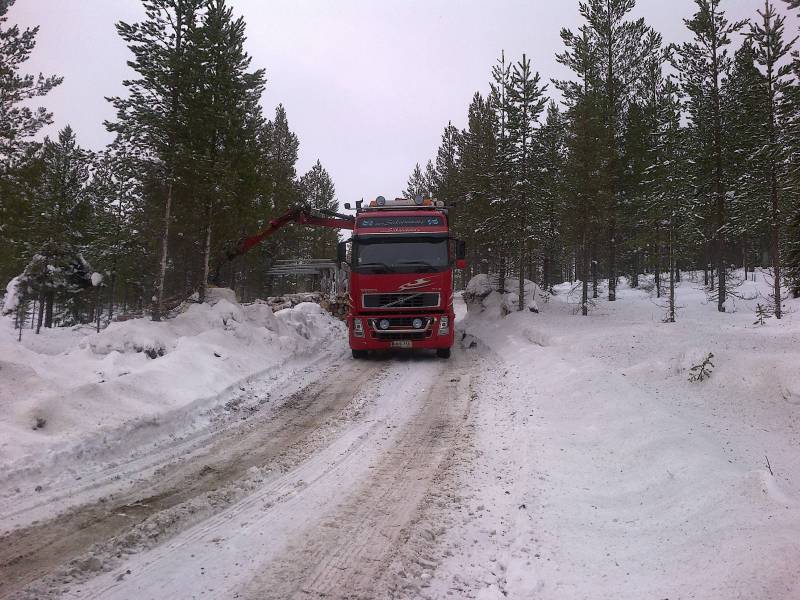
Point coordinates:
pixel 70 394
pixel 554 457
pixel 601 471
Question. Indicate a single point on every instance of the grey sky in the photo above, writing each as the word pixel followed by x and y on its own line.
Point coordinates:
pixel 368 85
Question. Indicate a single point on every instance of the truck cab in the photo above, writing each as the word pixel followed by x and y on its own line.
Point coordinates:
pixel 401 260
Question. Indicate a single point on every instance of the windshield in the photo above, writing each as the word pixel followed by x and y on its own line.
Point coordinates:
pixel 400 255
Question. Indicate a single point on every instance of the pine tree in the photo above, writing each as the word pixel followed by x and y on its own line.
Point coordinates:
pixel 318 191
pixel 583 102
pixel 770 50
pixel 446 182
pixel 224 110
pixel 60 210
pixel 417 184
pixel 502 177
pixel 18 121
pixel 703 63
pixel 623 48
pixel 745 117
pixel 526 103
pixel 116 245
pixel 551 194
pixel 151 118
pixel 478 152
pixel 790 113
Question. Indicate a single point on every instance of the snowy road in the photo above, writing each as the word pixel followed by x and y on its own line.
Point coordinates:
pixel 304 500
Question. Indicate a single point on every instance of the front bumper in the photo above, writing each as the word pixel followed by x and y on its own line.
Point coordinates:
pixel 400 334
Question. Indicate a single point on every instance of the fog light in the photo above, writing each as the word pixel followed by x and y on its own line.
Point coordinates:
pixel 444 325
pixel 417 323
pixel 358 328
pixel 384 324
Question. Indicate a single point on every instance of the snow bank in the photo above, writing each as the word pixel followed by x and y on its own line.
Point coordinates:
pixel 73 388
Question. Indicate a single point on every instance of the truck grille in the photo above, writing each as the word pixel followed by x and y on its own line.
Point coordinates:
pixel 395 301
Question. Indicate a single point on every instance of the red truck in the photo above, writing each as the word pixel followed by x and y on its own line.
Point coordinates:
pixel 401 258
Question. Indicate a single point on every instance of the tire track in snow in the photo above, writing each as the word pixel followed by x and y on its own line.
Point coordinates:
pixel 55 551
pixel 347 553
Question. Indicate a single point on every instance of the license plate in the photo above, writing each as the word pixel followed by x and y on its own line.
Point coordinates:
pixel 401 344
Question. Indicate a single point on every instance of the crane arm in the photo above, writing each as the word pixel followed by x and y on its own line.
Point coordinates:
pixel 300 215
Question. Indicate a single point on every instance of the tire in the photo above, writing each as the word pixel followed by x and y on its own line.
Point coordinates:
pixel 443 352
pixel 359 354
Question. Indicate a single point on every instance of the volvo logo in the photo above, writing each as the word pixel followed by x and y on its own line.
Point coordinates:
pixel 413 285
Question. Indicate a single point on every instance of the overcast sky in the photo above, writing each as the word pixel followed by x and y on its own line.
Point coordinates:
pixel 368 85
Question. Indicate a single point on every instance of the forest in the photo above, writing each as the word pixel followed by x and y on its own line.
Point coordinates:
pixel 652 158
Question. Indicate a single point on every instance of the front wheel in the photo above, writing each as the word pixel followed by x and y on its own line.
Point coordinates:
pixel 359 354
pixel 443 352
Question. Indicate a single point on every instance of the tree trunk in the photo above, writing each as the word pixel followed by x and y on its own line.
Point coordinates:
pixel 48 311
pixel 521 287
pixel 501 274
pixel 671 317
pixel 721 217
pixel 158 284
pixel 111 293
pixel 206 254
pixel 41 314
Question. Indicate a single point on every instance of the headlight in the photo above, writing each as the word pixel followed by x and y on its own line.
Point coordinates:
pixel 384 324
pixel 417 323
pixel 358 328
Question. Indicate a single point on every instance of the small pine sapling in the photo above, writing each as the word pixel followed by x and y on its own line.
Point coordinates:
pixel 702 371
pixel 762 314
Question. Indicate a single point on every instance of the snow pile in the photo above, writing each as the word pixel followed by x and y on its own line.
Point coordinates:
pixel 482 296
pixel 11 298
pixel 73 388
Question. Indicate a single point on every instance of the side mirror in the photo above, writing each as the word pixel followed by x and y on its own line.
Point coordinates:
pixel 461 251
pixel 347 206
pixel 341 252
pixel 461 264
